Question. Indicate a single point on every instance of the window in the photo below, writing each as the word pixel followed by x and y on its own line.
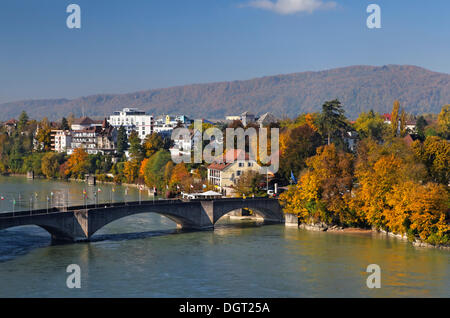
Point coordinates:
pixel 241 164
pixel 238 172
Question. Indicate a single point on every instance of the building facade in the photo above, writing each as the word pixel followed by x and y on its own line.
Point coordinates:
pixel 95 139
pixel 60 140
pixel 133 119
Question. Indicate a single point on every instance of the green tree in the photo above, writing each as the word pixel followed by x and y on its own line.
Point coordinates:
pixel 64 124
pixel 420 127
pixel 154 169
pixel 370 125
pixel 23 121
pixel 332 119
pixel 122 141
pixel 136 149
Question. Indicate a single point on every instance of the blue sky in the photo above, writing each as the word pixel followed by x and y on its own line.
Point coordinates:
pixel 125 46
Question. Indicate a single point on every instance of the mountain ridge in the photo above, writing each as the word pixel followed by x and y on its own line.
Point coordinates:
pixel 359 87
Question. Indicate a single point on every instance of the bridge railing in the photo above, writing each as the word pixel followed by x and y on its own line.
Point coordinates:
pixel 119 204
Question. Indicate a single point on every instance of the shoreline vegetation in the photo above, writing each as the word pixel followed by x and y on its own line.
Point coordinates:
pixel 387 172
pixel 357 230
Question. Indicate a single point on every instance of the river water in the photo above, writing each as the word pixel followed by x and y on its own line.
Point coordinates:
pixel 146 256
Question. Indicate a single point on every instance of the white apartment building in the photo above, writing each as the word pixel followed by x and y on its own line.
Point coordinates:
pixel 133 119
pixel 60 140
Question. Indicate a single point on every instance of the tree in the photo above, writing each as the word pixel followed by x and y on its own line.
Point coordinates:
pixel 296 145
pixel 154 169
pixel 131 170
pixel 168 169
pixel 136 150
pixel 152 143
pixel 43 135
pixel 403 123
pixel 395 118
pixel 434 153
pixel 78 163
pixel 23 121
pixel 370 125
pixel 323 191
pixel 419 210
pixel 420 127
pixel 444 121
pixel 50 165
pixel 180 175
pixel 248 183
pixel 122 141
pixel 332 119
pixel 64 124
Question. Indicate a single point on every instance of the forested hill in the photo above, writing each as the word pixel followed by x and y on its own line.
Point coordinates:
pixel 359 88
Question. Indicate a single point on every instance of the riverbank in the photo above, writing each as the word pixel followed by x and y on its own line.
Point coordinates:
pixel 292 221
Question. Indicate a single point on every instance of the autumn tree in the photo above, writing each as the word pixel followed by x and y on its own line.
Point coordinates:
pixel 50 165
pixel 168 169
pixel 296 145
pixel 78 163
pixel 131 170
pixel 152 143
pixel 434 153
pixel 43 135
pixel 395 118
pixel 324 190
pixel 444 121
pixel 248 183
pixel 180 176
pixel 370 125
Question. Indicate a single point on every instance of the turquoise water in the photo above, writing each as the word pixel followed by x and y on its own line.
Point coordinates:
pixel 146 256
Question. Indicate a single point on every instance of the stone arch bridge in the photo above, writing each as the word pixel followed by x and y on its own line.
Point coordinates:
pixel 79 223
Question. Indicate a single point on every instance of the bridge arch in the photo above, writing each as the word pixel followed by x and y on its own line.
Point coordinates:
pixel 270 211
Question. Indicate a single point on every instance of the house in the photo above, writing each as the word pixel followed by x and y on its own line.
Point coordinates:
pixel 266 120
pixel 84 122
pixel 60 140
pixel 224 175
pixel 387 118
pixel 133 119
pixel 247 118
pixel 410 138
pixel 184 144
pixel 95 139
pixel 10 125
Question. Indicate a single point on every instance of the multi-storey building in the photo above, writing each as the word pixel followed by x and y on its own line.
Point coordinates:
pixel 95 139
pixel 133 119
pixel 60 140
pixel 225 175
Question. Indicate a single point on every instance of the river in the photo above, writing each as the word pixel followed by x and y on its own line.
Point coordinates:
pixel 146 256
